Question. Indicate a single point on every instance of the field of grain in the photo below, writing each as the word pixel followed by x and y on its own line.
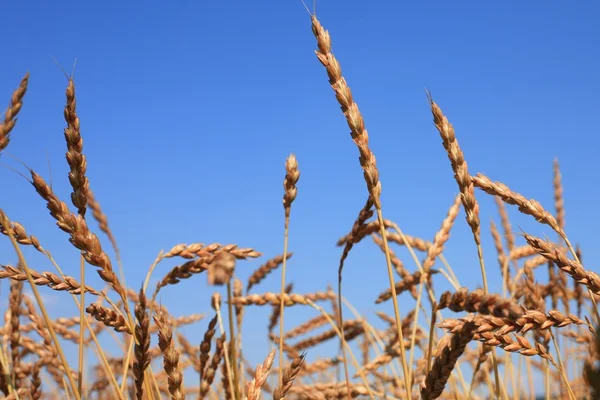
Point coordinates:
pixel 535 337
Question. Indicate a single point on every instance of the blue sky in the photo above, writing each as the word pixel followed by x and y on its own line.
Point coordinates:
pixel 189 109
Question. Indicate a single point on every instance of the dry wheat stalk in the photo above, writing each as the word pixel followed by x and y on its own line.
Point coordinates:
pixel 290 191
pixel 529 207
pixel 435 381
pixel 530 320
pixel 459 166
pixel 206 254
pixel 10 115
pixel 360 136
pixel 108 317
pixel 194 250
pixel 478 301
pixel 288 378
pixel 142 344
pixel 21 235
pixel 354 118
pixel 81 237
pixel 49 279
pixel 211 370
pixel 253 387
pixel 171 356
pixel 205 345
pixel 75 158
pixel 499 339
pixel 288 299
pixel 571 267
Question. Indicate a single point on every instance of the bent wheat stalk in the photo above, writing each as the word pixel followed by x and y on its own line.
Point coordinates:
pixel 368 163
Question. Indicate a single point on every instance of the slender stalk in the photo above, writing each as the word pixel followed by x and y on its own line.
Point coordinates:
pixel 390 269
pixel 233 354
pixel 281 305
pixel 225 349
pixel 561 367
pixel 431 332
pixel 81 324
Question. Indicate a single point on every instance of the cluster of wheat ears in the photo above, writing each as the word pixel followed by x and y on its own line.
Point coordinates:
pixel 408 359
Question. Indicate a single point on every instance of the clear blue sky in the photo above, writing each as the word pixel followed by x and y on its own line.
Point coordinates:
pixel 189 109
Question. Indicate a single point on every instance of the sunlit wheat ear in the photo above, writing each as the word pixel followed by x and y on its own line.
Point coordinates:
pixel 444 363
pixel 253 387
pixel 206 344
pixel 571 267
pixel 81 236
pixel 467 191
pixel 80 184
pixel 142 345
pixel 170 356
pixel 211 369
pixel 367 160
pixel 75 157
pixel 459 166
pixel 108 317
pixel 526 206
pixel 292 174
pixel 288 378
pixel 53 281
pixel 10 115
pixel 21 236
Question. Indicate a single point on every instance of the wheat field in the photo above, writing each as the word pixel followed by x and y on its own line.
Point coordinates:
pixel 535 337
